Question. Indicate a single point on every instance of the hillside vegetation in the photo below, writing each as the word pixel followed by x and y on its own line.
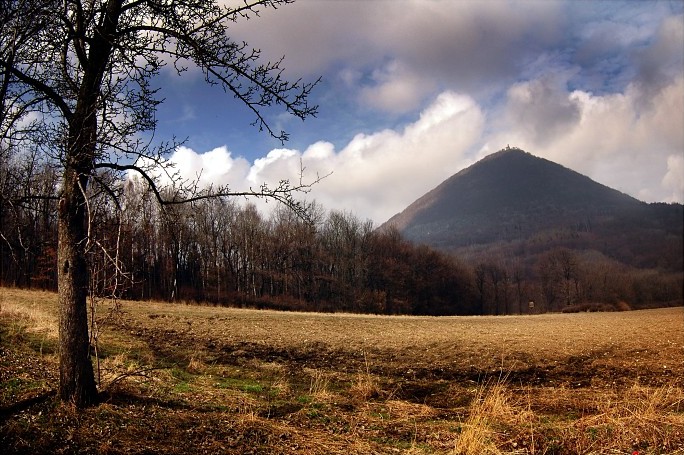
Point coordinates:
pixel 533 229
pixel 510 229
pixel 514 196
pixel 182 379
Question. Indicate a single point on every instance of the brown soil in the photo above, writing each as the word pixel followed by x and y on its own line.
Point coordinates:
pixel 192 379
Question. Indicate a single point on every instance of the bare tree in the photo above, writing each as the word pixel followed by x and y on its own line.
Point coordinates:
pixel 559 273
pixel 86 69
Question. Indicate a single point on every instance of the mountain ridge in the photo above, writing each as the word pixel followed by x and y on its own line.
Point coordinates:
pixel 514 196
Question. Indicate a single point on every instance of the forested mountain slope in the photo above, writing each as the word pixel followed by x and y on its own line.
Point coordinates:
pixel 512 229
pixel 513 204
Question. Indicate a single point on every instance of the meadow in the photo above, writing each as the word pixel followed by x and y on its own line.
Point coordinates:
pixel 179 379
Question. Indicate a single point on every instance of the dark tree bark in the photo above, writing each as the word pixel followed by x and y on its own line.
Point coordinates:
pixel 77 380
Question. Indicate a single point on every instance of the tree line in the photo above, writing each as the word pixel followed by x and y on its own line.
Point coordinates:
pixel 225 252
pixel 222 251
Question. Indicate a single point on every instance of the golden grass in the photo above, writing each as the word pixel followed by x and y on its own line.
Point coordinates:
pixel 222 380
pixel 641 417
pixel 638 420
pixel 366 385
pixel 319 389
pixel 36 308
pixel 491 417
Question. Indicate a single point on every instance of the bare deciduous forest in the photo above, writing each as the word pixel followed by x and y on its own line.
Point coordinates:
pixel 226 252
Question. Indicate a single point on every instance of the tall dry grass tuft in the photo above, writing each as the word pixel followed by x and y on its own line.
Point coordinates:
pixel 319 386
pixel 639 419
pixel 366 385
pixel 495 421
pixel 196 362
pixel 246 408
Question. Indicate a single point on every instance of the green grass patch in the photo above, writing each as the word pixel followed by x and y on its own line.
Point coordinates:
pixel 253 388
pixel 16 388
pixel 242 384
pixel 181 374
pixel 42 344
pixel 182 387
pixel 304 399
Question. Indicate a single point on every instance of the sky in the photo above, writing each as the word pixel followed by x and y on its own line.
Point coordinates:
pixel 413 91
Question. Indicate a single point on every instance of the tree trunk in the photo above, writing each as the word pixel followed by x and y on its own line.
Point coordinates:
pixel 76 377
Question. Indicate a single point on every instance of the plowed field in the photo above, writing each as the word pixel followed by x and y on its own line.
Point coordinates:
pixel 199 379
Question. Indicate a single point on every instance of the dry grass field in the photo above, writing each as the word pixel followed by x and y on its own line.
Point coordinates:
pixel 180 379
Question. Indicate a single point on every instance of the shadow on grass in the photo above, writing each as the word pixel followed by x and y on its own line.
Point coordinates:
pixel 125 398
pixel 12 409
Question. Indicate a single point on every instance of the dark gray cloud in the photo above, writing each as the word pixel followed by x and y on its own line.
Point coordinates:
pixel 543 109
pixel 465 45
pixel 660 62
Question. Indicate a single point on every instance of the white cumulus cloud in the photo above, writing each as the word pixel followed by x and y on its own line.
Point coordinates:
pixel 375 175
pixel 612 138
